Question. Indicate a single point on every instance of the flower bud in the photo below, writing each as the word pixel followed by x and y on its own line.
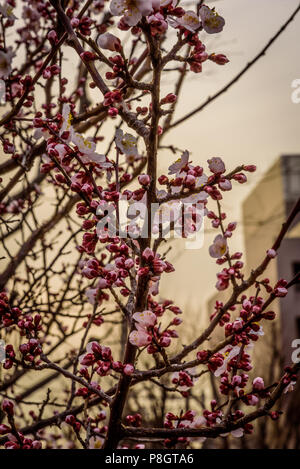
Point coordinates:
pixel 128 369
pixel 258 384
pixel 8 407
pixel 144 179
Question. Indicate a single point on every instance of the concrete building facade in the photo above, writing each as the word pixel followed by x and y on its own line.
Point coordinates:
pixel 263 212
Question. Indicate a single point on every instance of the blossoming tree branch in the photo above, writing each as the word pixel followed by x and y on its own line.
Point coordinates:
pixel 80 146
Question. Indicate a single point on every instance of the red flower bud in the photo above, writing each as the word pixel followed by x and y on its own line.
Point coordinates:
pixel 8 407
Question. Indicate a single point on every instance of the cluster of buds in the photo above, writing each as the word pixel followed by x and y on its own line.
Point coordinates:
pixel 73 422
pixel 30 325
pixel 183 379
pixel 184 420
pixel 16 440
pixel 51 71
pixel 253 309
pixel 83 25
pixel 100 358
pixel 134 420
pixel 97 318
pixel 117 67
pixel 158 23
pixel 8 147
pixel 159 308
pixel 214 362
pixel 246 328
pixel 224 278
pixel 148 334
pixel 9 357
pixel 31 350
pixel 170 98
pixel 86 392
pixel 112 275
pixel 89 242
pixel 153 264
pixel 110 99
pixel 8 315
pixel 171 418
pixel 280 289
pixel 215 417
pixel 187 179
pixel 225 318
pixel 289 379
pixel 198 54
pixel 80 182
pixel 243 332
pixel 22 442
pixel 13 206
pixel 236 384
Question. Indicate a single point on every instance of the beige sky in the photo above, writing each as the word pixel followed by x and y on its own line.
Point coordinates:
pixel 254 122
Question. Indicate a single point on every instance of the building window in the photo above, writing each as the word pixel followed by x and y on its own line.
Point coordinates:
pixel 296 270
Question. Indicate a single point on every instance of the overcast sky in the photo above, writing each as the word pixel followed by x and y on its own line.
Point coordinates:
pixel 254 122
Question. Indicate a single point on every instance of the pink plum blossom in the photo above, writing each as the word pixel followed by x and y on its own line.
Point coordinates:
pixel 145 318
pixel 131 10
pixel 212 23
pixel 179 164
pixel 140 337
pixel 258 383
pixel 228 353
pixel 108 41
pixel 7 11
pixel 219 247
pixel 216 165
pixel 126 143
pixel 189 21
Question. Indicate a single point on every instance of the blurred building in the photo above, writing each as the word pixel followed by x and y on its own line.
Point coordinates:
pixel 263 213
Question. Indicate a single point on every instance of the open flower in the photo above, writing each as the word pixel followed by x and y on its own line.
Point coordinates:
pixel 7 11
pixel 91 295
pixel 87 147
pixel 179 164
pixel 189 21
pixel 126 143
pixel 145 318
pixel 212 23
pixel 216 165
pixel 140 337
pixel 290 387
pixel 66 121
pixel 96 442
pixel 219 247
pixel 88 358
pixel 228 353
pixel 131 10
pixel 185 379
